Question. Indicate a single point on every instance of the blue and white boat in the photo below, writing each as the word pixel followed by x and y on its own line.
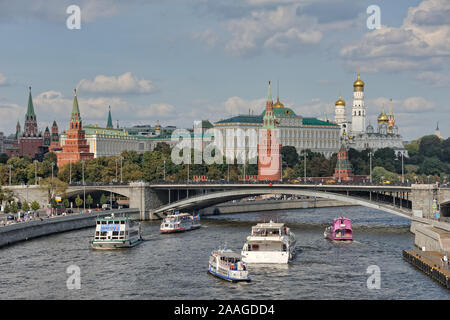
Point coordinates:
pixel 116 233
pixel 227 265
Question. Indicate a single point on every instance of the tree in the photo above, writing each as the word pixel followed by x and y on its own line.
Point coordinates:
pixel 430 146
pixel 103 199
pixel 35 205
pixel 78 201
pixel 54 187
pixel 289 156
pixel 66 203
pixel 380 174
pixel 89 200
pixel 14 207
pixel 25 206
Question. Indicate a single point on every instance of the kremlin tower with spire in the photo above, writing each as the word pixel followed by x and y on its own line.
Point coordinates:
pixel 28 142
pixel 75 147
pixel 269 148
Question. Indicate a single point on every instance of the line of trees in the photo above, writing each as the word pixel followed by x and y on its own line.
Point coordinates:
pixel 429 158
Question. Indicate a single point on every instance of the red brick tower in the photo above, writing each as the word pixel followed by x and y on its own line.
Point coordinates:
pixel 75 146
pixel 54 143
pixel 269 150
pixel 343 170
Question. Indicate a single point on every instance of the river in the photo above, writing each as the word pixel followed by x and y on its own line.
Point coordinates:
pixel 174 266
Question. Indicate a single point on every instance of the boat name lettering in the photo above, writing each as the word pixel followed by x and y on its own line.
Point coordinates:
pixel 110 227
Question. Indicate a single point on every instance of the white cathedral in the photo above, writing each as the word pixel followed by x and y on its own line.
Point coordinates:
pixel 357 135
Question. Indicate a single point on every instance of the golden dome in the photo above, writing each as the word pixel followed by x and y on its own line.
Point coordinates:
pixel 383 118
pixel 358 84
pixel 278 104
pixel 340 102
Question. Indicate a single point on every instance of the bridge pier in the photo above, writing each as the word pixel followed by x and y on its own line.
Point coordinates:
pixel 422 196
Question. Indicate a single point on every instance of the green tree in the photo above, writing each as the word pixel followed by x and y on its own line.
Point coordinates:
pixel 289 156
pixel 430 146
pixel 103 199
pixel 14 207
pixel 35 205
pixel 78 201
pixel 66 203
pixel 89 200
pixel 25 206
pixel 380 174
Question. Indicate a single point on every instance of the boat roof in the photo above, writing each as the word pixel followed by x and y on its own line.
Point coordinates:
pixel 114 218
pixel 178 215
pixel 269 225
pixel 229 254
pixel 341 218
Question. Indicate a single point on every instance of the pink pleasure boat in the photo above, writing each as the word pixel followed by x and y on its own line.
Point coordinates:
pixel 340 230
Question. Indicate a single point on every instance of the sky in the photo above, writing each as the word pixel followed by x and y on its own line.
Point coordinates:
pixel 176 61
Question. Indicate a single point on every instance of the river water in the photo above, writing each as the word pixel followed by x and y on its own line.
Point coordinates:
pixel 174 266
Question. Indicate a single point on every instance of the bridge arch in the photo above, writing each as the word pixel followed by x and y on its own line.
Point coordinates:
pixel 213 198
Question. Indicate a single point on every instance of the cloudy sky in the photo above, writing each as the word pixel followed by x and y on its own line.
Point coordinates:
pixel 176 61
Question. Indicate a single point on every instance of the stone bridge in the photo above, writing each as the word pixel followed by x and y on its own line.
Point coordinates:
pixel 155 200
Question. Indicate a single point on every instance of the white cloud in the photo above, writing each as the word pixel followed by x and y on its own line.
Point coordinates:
pixel 123 84
pixel 434 79
pixel 3 80
pixel 208 36
pixel 417 44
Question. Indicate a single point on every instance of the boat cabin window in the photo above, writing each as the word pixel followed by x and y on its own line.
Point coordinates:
pixel 122 222
pixel 103 222
pixel 110 222
pixel 98 222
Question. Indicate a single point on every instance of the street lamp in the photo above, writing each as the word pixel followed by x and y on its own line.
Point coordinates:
pixel 35 172
pixel 370 165
pixel 403 176
pixel 51 186
pixel 84 186
pixel 121 159
pixel 304 169
pixel 70 171
pixel 116 160
pixel 164 169
pixel 10 167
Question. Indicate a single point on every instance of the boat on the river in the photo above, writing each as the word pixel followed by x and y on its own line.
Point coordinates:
pixel 116 233
pixel 180 222
pixel 269 243
pixel 228 265
pixel 340 230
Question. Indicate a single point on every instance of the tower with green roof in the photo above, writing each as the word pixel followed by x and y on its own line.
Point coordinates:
pixel 30 127
pixel 109 124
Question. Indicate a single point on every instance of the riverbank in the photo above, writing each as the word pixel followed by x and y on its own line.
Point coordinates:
pixel 37 228
pixel 270 205
pixel 429 262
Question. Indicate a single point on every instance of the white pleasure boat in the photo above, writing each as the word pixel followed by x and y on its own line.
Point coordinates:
pixel 116 232
pixel 228 265
pixel 269 243
pixel 180 222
